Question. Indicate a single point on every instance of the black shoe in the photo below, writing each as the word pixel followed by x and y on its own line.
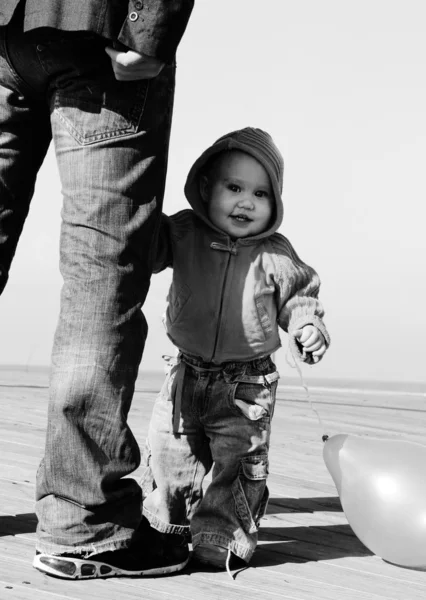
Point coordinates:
pixel 218 558
pixel 168 554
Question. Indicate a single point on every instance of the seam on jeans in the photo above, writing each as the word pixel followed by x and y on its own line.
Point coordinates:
pixel 242 508
pixel 248 519
pixel 83 506
pixel 262 507
pixel 132 121
pixel 193 482
pixel 93 139
pixel 65 499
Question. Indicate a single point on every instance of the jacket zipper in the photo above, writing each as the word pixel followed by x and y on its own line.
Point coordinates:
pixel 231 251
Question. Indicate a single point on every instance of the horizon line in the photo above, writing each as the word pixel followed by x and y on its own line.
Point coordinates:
pixel 315 381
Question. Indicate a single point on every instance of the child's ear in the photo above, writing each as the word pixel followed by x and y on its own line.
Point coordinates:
pixel 204 188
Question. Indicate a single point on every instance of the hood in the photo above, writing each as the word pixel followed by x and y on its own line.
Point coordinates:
pixel 258 144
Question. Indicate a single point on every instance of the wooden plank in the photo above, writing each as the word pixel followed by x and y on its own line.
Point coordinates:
pixel 17 489
pixel 380 569
pixel 344 583
pixel 306 551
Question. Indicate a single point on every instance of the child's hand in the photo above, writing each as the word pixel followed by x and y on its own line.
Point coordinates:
pixel 312 341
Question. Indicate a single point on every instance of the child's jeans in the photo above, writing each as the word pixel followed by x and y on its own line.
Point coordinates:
pixel 207 414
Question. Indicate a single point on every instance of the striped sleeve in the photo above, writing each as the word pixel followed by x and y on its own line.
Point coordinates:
pixel 298 288
pixel 172 229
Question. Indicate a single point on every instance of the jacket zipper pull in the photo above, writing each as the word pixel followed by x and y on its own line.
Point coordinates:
pixel 223 248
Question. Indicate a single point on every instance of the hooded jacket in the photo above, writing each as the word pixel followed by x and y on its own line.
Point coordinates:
pixel 228 298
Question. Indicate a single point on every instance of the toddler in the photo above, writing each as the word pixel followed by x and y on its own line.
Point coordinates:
pixel 235 282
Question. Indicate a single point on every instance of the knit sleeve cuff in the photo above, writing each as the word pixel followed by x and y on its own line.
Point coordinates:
pixel 296 348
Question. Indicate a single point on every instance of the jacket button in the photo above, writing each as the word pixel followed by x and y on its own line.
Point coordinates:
pixel 138 5
pixel 133 16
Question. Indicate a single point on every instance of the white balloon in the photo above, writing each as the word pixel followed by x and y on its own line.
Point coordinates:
pixel 382 488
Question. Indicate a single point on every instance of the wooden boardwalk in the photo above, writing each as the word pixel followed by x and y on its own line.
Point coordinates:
pixel 307 550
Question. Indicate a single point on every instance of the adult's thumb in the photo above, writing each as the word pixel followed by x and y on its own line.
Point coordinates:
pixel 111 52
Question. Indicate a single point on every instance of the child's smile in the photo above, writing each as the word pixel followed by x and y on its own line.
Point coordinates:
pixel 241 218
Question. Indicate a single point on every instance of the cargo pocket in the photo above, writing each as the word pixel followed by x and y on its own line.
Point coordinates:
pixel 250 492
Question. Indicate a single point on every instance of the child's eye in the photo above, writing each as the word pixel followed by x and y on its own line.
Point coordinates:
pixel 262 194
pixel 234 188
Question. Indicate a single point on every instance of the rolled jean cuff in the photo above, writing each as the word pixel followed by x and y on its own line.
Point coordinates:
pixel 243 551
pixel 86 549
pixel 164 527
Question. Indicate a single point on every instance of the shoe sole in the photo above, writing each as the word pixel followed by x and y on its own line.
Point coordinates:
pixel 78 568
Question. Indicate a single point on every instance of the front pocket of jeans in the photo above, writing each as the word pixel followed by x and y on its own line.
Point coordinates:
pixel 254 396
pixel 99 112
pixel 250 492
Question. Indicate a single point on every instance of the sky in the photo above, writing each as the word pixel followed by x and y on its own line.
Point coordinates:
pixel 341 88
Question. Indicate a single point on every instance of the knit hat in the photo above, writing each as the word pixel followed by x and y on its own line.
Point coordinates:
pixel 258 144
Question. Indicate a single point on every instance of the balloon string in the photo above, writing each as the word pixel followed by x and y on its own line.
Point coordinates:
pixel 296 366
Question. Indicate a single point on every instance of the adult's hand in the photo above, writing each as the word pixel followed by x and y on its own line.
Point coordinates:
pixel 129 65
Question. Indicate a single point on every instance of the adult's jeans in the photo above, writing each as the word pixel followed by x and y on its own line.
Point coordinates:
pixel 111 143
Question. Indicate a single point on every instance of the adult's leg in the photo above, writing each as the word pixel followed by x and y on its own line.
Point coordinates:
pixel 25 135
pixel 111 140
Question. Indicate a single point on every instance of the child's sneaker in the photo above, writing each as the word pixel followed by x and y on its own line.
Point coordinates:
pixel 208 554
pixel 217 557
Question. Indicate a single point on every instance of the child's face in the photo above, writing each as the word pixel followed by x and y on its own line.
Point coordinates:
pixel 239 194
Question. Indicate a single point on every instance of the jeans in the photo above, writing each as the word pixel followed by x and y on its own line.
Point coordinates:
pixel 209 415
pixel 111 142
